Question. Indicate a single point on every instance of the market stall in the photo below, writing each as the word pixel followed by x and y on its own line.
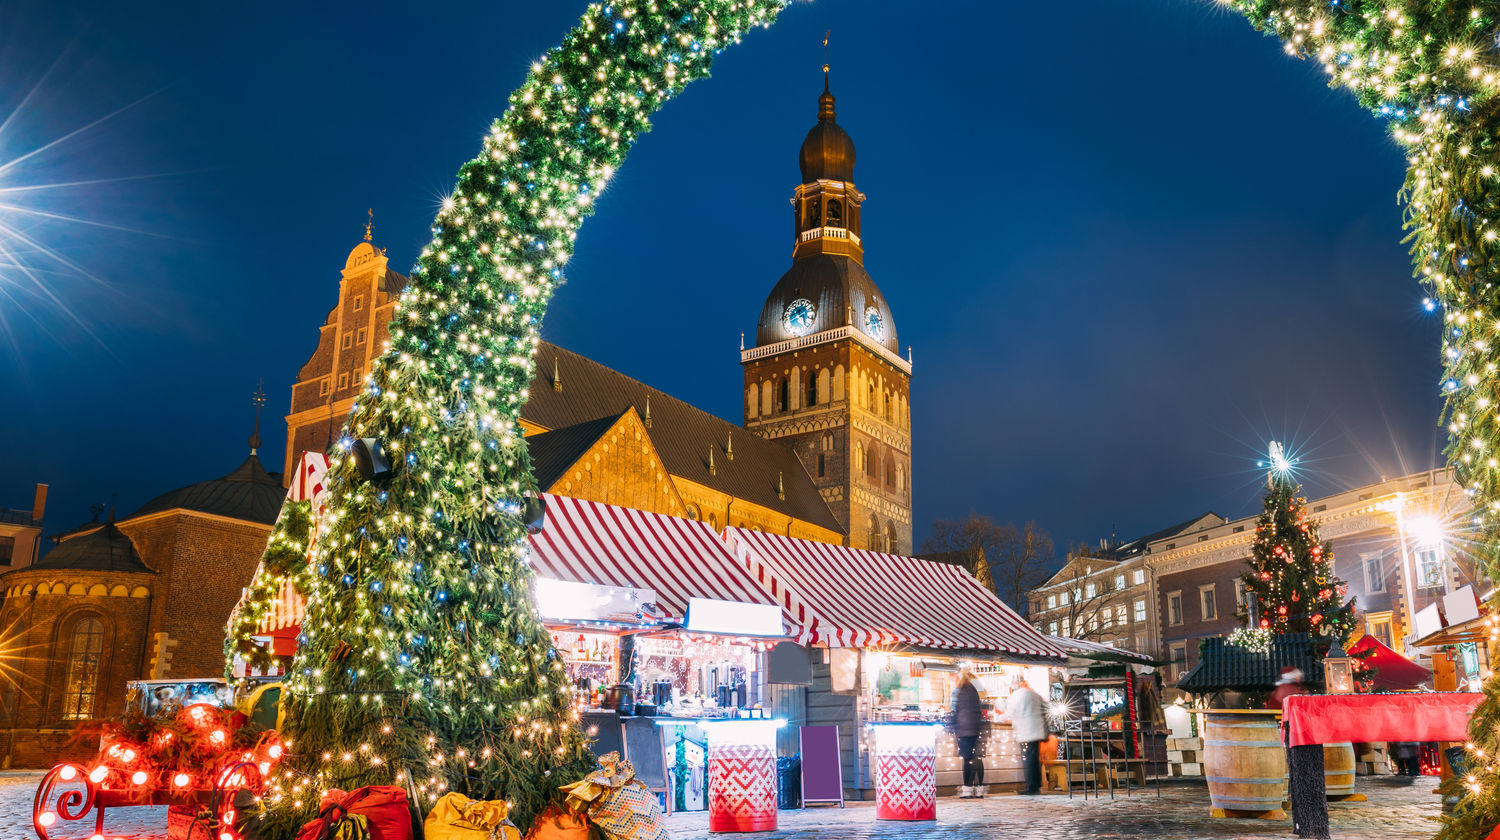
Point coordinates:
pixel 1114 727
pixel 664 637
pixel 890 635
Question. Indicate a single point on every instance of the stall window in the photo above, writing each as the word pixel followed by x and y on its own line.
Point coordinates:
pixel 1139 577
pixel 1210 609
pixel 1140 611
pixel 1119 582
pixel 1374 575
pixel 1429 568
pixel 85 650
pixel 1174 608
pixel 1052 602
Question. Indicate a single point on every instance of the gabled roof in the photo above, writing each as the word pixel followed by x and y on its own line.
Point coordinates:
pixel 1140 544
pixel 249 493
pixel 1225 666
pixel 552 453
pixel 682 434
pixel 105 549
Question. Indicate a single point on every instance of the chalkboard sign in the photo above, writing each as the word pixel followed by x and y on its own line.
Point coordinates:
pixel 644 749
pixel 606 738
pixel 822 766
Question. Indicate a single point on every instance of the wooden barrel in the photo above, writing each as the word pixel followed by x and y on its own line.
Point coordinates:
pixel 1245 763
pixel 1338 769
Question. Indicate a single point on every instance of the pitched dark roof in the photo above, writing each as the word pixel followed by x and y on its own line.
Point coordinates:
pixel 681 434
pixel 553 452
pixel 19 517
pixel 1224 666
pixel 106 549
pixel 249 493
pixel 1139 544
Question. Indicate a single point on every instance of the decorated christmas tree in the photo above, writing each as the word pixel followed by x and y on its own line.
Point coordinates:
pixel 1291 578
pixel 422 661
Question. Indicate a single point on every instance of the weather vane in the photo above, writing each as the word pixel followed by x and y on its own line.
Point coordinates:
pixel 370 224
pixel 826 33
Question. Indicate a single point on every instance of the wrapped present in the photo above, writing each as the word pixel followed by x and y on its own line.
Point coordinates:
pixel 559 824
pixel 377 812
pixel 457 817
pixel 617 803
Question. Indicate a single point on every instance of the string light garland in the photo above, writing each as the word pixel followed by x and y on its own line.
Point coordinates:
pixel 422 660
pixel 284 561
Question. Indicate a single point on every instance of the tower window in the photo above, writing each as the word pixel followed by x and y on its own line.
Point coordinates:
pixel 828 443
pixel 821 465
pixel 890 472
pixel 361 338
pixel 835 213
pixel 859 456
pixel 348 339
pixel 359 302
pixel 814 214
pixel 85 650
pixel 872 466
pixel 812 390
pixel 892 542
pixel 784 397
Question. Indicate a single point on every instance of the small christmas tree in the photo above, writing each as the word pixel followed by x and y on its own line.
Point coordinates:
pixel 1291 571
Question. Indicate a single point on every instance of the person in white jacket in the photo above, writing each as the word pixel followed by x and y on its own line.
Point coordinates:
pixel 1028 725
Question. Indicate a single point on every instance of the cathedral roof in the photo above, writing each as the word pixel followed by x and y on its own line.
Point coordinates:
pixel 828 151
pixel 105 549
pixel 249 493
pixel 553 452
pixel 841 292
pixel 682 435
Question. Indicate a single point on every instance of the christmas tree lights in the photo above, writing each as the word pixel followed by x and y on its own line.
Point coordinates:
pixel 422 661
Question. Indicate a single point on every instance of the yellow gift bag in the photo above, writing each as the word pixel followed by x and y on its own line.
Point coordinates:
pixel 457 817
pixel 617 803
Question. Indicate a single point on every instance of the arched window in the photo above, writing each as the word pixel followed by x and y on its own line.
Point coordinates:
pixel 875 535
pixel 900 477
pixel 870 397
pixel 859 456
pixel 890 471
pixel 85 653
pixel 892 541
pixel 828 442
pixel 872 465
pixel 713 521
pixel 784 398
pixel 835 213
pixel 812 390
pixel 814 213
pixel 692 512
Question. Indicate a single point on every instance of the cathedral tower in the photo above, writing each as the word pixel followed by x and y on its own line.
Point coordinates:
pixel 825 376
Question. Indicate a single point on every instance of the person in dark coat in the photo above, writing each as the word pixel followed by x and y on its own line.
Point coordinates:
pixel 1289 683
pixel 967 721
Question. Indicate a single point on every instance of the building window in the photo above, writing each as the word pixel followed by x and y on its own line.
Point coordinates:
pixel 343 381
pixel 859 456
pixel 1429 568
pixel 348 339
pixel 1174 608
pixel 1067 626
pixel 1380 628
pixel 892 540
pixel 812 389
pixel 1140 611
pixel 692 512
pixel 1178 655
pixel 1052 602
pixel 1052 628
pixel 356 377
pixel 1239 592
pixel 828 443
pixel 890 471
pixel 784 395
pixel 1206 602
pixel 1119 582
pixel 822 466
pixel 1089 591
pixel 359 302
pixel 1374 575
pixel 360 339
pixel 323 387
pixel 7 550
pixel 1093 622
pixel 900 478
pixel 1122 615
pixel 1139 577
pixel 85 651
pixel 1063 597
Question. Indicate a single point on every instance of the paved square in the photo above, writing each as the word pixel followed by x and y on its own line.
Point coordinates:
pixel 1394 812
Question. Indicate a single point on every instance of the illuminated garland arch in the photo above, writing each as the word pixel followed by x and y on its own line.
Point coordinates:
pixel 420 648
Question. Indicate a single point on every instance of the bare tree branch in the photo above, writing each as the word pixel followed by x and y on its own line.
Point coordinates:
pixel 1010 561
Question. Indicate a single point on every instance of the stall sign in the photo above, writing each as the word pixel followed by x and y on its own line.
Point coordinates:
pixel 710 615
pixel 566 600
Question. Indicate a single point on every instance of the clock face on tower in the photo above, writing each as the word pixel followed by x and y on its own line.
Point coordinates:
pixel 798 317
pixel 874 324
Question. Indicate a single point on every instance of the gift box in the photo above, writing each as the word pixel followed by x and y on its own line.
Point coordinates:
pixel 377 812
pixel 617 803
pixel 457 817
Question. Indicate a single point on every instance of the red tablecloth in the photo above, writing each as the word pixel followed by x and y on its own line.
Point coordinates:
pixel 1331 718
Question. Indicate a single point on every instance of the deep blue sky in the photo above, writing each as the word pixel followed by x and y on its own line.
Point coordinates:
pixel 1128 242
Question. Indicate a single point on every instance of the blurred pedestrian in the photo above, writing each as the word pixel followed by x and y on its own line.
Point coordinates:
pixel 1028 725
pixel 967 720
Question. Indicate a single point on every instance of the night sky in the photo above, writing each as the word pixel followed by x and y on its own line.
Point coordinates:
pixel 1128 243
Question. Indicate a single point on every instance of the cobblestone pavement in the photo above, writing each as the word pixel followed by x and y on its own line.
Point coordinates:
pixel 1393 812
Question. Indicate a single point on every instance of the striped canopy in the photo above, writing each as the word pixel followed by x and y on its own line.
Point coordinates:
pixel 589 542
pixel 848 597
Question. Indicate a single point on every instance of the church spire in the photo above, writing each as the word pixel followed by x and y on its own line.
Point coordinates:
pixel 259 401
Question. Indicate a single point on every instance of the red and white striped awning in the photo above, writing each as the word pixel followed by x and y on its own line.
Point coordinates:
pixel 848 597
pixel 589 542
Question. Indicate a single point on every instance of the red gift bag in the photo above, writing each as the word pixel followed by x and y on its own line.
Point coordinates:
pixel 384 808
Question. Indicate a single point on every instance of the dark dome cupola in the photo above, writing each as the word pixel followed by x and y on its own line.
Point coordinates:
pixel 828 152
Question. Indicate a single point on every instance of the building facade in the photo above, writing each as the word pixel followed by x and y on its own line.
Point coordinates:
pixel 825 376
pixel 21 532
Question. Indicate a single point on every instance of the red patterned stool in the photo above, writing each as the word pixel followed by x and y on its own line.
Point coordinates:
pixel 905 771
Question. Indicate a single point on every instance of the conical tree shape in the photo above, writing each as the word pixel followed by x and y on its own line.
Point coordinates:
pixel 1291 570
pixel 422 661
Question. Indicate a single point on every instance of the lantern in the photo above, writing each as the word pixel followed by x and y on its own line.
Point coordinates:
pixel 1338 671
